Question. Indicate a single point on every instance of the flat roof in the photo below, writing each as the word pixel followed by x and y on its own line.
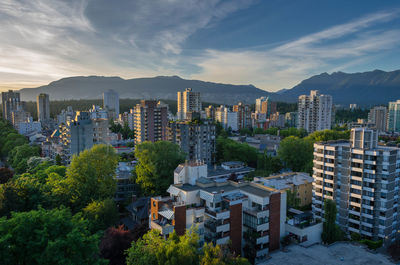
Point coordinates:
pixel 260 192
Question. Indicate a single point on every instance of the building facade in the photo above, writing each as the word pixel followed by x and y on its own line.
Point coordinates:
pixel 363 179
pixel 244 115
pixel 249 216
pixel 10 102
pixel 111 103
pixel 188 101
pixel 76 135
pixel 227 118
pixel 393 120
pixel 150 121
pixel 315 112
pixel 43 107
pixel 378 117
pixel 195 138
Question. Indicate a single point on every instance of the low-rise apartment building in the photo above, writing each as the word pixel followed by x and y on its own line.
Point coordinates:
pixel 248 215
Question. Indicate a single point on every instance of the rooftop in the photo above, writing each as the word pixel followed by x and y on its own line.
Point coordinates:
pixel 285 180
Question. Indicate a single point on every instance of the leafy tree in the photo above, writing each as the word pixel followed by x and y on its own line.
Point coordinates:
pixel 101 214
pixel 267 164
pixel 58 160
pixel 297 153
pixel 90 175
pixel 127 133
pixel 246 131
pixel 331 231
pixel 115 242
pixel 22 193
pixel 156 164
pixel 327 135
pixel 47 237
pixel 5 175
pixel 230 150
pixel 18 157
pixel 176 250
pixel 12 139
pixel 220 255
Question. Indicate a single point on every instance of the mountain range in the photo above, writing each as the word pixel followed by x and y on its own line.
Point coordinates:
pixel 367 88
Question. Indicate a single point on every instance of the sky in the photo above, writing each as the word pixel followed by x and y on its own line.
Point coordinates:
pixel 272 44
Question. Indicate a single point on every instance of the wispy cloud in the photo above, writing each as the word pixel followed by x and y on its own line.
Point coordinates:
pixel 43 40
pixel 287 64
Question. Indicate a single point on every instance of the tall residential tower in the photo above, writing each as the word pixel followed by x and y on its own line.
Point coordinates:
pixel 314 112
pixel 188 101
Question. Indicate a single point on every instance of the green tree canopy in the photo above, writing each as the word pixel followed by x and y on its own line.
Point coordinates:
pixel 90 176
pixel 230 150
pixel 47 237
pixel 101 214
pixel 19 156
pixel 297 153
pixel 156 164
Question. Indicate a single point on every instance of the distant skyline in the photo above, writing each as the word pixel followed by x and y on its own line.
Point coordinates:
pixel 271 44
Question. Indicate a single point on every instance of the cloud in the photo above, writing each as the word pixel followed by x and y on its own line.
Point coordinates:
pixel 44 40
pixel 48 39
pixel 287 64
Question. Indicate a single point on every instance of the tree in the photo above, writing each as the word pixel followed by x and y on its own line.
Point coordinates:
pixel 47 237
pixel 18 157
pixel 229 150
pixel 176 250
pixel 220 255
pixel 156 164
pixel 101 214
pixel 127 133
pixel 331 231
pixel 297 153
pixel 327 135
pixel 5 175
pixel 90 175
pixel 114 243
pixel 58 160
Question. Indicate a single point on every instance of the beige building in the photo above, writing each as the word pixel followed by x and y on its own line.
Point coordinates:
pixel 314 112
pixel 188 101
pixel 299 183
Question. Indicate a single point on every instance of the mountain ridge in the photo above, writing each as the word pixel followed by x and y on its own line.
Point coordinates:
pixel 363 88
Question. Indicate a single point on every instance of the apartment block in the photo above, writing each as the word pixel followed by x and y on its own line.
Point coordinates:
pixel 43 107
pixel 195 138
pixel 111 103
pixel 248 215
pixel 378 117
pixel 265 105
pixel 227 118
pixel 244 115
pixel 300 184
pixel 393 119
pixel 315 112
pixel 291 119
pixel 10 102
pixel 150 121
pixel 362 177
pixel 188 101
pixel 76 135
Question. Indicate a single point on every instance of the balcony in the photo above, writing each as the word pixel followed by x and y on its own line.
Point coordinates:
pixel 262 240
pixel 218 214
pixel 165 229
pixel 262 227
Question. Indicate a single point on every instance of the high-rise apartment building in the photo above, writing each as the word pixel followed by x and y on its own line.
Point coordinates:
pixel 10 102
pixel 196 139
pixel 43 107
pixel 378 117
pixel 244 115
pixel 151 119
pixel 265 105
pixel 315 112
pixel 210 112
pixel 188 101
pixel 362 177
pixel 250 216
pixel 111 103
pixel 291 119
pixel 76 135
pixel 393 120
pixel 227 118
